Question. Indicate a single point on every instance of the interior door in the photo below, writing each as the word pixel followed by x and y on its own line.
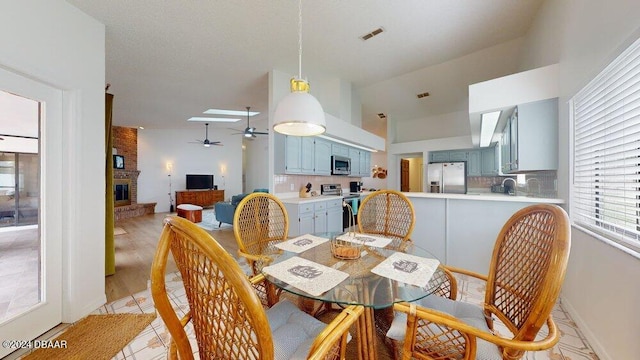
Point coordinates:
pixel 31 124
pixel 404 175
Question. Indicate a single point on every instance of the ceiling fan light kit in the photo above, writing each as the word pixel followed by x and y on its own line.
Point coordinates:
pixel 299 113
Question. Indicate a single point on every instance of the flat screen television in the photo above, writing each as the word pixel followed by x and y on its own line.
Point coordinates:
pixel 199 181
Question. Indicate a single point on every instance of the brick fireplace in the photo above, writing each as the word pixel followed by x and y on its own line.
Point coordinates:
pixel 125 181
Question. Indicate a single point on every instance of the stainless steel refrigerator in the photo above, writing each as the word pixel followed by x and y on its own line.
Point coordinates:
pixel 449 177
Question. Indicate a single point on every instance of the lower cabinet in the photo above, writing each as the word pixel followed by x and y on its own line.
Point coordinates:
pixel 314 217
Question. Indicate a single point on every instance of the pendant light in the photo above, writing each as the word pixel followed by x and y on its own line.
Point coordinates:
pixel 299 113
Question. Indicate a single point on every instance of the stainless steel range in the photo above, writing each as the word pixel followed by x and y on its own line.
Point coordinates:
pixel 353 199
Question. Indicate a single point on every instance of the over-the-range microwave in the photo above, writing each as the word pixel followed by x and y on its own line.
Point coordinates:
pixel 340 165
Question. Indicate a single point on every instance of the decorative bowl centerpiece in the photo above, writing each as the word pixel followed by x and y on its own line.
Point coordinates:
pixel 345 249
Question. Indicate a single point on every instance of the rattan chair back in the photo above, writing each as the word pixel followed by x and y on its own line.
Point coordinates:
pixel 228 319
pixel 525 276
pixel 387 213
pixel 528 267
pixel 259 222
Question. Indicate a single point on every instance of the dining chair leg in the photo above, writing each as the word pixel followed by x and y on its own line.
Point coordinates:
pixel 366 336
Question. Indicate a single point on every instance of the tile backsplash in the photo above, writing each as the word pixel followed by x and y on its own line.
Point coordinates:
pixel 539 184
pixel 284 183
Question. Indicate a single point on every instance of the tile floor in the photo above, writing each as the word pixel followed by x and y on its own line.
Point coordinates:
pixel 152 343
pixel 19 275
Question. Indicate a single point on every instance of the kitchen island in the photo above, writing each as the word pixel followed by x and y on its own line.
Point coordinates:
pixel 461 229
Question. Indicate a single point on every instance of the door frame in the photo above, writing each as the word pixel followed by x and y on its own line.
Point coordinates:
pixel 48 313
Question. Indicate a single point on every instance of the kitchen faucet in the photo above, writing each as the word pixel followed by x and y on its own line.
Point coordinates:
pixel 515 186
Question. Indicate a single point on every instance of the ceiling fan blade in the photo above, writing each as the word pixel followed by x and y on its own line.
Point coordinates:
pixel 260 133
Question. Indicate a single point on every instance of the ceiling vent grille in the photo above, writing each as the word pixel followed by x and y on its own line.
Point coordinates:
pixel 382 116
pixel 375 32
pixel 422 95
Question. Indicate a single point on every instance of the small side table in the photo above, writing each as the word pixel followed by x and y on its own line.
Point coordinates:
pixel 190 212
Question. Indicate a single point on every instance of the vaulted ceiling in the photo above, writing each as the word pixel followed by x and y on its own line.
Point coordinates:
pixel 169 60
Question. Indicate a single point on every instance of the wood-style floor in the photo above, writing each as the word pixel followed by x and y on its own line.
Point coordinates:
pixel 135 251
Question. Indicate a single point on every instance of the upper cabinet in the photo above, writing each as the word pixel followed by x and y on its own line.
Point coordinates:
pixel 504 93
pixel 312 156
pixel 530 138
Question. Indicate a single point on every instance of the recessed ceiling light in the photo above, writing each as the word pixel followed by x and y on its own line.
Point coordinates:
pixel 230 112
pixel 141 127
pixel 212 119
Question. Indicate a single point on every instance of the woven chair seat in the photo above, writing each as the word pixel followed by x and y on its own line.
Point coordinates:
pixel 465 312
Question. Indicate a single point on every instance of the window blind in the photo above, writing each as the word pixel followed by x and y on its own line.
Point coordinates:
pixel 605 195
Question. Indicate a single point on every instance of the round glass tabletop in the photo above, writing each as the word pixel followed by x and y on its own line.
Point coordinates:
pixel 362 286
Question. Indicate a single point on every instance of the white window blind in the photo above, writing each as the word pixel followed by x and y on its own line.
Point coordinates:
pixel 606 151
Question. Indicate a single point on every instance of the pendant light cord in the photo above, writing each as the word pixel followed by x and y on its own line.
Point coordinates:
pixel 300 39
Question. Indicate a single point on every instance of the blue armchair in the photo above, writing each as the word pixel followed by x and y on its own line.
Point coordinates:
pixel 225 210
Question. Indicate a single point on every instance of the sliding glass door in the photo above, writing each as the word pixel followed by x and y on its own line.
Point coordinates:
pixel 19 189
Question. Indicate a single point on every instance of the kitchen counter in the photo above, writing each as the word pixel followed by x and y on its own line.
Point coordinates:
pixel 485 197
pixel 461 229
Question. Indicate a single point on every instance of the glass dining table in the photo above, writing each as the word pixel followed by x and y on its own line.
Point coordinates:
pixel 361 286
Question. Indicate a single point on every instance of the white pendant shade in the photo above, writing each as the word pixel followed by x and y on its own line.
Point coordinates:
pixel 299 114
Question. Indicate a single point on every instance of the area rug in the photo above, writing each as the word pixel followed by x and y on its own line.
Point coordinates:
pixel 94 337
pixel 210 223
pixel 119 231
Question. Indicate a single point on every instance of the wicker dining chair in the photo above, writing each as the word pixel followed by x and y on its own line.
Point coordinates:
pixel 229 321
pixel 387 213
pixel 259 222
pixel 525 276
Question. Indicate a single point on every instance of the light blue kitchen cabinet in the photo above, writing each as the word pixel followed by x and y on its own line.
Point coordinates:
pixel 340 150
pixel 334 215
pixel 310 217
pixel 322 157
pixel 458 155
pixel 530 139
pixel 292 155
pixel 490 158
pixel 320 217
pixel 354 155
pixel 474 163
pixel 365 163
pixel 307 155
pixel 505 148
pixel 438 156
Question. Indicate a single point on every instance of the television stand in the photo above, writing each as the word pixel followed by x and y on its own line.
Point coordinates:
pixel 204 198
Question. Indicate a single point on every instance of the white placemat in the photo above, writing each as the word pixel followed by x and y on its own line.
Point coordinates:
pixel 301 243
pixel 366 239
pixel 406 268
pixel 306 275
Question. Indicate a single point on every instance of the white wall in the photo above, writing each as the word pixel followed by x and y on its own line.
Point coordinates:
pixel 158 147
pixel 54 43
pixel 444 113
pixel 601 287
pixel 257 167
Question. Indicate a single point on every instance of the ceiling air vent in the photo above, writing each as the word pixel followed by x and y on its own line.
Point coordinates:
pixel 375 32
pixel 382 116
pixel 424 94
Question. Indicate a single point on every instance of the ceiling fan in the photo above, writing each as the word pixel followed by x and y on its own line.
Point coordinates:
pixel 250 132
pixel 206 141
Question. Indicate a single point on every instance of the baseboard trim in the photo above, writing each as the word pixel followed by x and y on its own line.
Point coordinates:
pixel 91 306
pixel 584 328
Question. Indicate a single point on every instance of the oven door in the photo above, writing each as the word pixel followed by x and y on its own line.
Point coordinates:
pixel 349 211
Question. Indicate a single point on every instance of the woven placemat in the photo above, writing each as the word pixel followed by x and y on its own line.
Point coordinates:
pixel 95 337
